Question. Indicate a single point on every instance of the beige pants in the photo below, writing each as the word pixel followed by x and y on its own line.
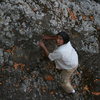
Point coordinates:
pixel 65 79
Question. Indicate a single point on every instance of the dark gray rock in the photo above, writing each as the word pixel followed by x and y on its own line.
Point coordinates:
pixel 1 57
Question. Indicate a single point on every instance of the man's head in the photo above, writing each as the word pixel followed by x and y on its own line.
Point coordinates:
pixel 62 38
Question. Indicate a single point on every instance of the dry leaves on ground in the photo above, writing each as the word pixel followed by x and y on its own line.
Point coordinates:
pixel 72 14
pixel 19 65
pixel 49 77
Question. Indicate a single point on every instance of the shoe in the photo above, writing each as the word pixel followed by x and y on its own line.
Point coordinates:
pixel 71 93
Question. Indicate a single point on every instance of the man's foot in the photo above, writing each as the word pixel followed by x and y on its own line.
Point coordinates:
pixel 71 93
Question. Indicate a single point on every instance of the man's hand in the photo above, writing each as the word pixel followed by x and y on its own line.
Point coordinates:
pixel 41 44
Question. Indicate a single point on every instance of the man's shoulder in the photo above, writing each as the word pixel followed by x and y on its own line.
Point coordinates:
pixel 62 47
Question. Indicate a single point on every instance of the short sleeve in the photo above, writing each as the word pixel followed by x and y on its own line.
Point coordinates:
pixel 54 56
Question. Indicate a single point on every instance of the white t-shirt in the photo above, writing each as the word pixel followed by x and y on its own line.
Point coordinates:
pixel 65 57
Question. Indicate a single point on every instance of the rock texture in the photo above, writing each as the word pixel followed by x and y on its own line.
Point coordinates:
pixel 24 71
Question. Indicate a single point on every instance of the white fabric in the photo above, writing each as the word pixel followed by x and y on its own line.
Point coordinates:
pixel 65 57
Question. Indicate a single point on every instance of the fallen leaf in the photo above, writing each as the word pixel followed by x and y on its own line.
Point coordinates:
pixel 96 93
pixel 43 89
pixel 28 69
pixel 10 50
pixel 49 77
pixel 19 65
pixel 52 92
pixel 34 9
pixel 71 14
pixel 96 80
pixel 98 28
pixel 78 73
pixel 3 69
pixel 16 85
pixel 91 17
pixel 74 86
pixel 0 83
pixel 84 17
pixel 86 88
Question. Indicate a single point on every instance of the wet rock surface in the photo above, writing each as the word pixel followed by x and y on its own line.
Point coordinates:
pixel 25 73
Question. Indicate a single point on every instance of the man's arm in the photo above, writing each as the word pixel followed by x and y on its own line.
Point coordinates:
pixel 42 45
pixel 52 56
pixel 49 37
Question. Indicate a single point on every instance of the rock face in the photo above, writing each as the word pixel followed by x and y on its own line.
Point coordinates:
pixel 25 73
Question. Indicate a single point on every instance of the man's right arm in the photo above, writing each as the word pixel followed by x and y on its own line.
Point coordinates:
pixel 49 37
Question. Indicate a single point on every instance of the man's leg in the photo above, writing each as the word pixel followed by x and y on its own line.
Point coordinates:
pixel 65 80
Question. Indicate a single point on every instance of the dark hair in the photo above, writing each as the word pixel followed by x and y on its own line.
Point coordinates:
pixel 65 36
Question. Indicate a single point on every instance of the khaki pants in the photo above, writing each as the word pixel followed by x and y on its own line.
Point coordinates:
pixel 65 79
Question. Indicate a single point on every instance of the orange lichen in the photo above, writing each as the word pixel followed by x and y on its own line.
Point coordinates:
pixel 71 14
pixel 19 65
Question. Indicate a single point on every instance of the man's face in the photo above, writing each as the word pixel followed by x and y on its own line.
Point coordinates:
pixel 59 40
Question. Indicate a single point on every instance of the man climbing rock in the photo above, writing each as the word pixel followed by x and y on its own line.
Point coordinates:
pixel 65 57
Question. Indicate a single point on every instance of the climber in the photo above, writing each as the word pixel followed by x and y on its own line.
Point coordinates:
pixel 65 58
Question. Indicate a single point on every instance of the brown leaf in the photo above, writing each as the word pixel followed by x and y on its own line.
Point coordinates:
pixel 43 89
pixel 96 80
pixel 10 50
pixel 91 17
pixel 78 73
pixel 3 69
pixel 19 65
pixel 34 9
pixel 98 28
pixel 84 17
pixel 71 14
pixel 96 93
pixel 86 88
pixel 52 92
pixel 16 85
pixel 0 83
pixel 49 77
pixel 74 86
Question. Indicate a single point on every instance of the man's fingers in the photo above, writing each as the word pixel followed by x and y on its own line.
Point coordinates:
pixel 43 36
pixel 41 42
